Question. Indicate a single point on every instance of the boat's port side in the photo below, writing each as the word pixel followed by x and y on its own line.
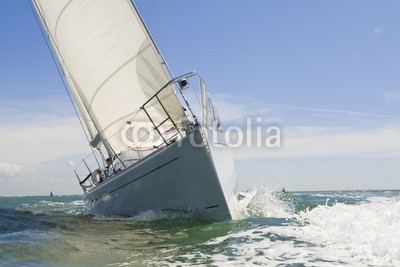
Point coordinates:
pixel 106 193
pixel 178 177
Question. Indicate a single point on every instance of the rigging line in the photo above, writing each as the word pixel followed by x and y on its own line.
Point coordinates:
pixel 174 41
pixel 59 71
pixel 170 33
pixel 134 115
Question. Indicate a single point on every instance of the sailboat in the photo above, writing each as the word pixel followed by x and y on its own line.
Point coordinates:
pixel 150 149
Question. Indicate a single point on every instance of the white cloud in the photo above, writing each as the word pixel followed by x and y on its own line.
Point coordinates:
pixel 339 111
pixel 378 31
pixel 239 108
pixel 42 147
pixel 40 181
pixel 40 137
pixel 41 140
pixel 356 134
pixel 39 130
pixel 230 108
pixel 235 109
pixel 298 142
pixel 35 109
pixel 227 110
pixel 7 169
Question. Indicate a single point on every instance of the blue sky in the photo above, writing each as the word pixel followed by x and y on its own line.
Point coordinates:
pixel 326 72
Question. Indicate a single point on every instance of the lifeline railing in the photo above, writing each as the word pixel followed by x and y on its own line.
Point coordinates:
pixel 209 113
pixel 209 119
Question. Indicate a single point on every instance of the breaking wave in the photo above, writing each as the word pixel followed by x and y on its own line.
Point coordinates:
pixel 331 233
pixel 336 234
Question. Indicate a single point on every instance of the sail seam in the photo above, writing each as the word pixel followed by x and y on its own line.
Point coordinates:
pixel 59 17
pixel 114 73
pixel 118 120
pixel 49 41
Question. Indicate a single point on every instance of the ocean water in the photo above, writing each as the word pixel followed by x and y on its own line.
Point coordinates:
pixel 353 228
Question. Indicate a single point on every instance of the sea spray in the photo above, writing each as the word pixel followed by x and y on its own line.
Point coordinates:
pixel 264 202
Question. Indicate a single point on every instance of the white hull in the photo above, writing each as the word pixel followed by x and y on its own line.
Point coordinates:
pixel 180 177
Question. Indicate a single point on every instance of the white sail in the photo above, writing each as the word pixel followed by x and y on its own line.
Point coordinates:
pixel 111 64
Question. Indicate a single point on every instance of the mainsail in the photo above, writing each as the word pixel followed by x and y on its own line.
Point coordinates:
pixel 111 64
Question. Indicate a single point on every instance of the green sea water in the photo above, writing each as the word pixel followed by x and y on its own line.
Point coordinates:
pixel 336 228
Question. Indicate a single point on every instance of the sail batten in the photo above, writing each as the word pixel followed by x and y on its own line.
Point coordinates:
pixel 110 63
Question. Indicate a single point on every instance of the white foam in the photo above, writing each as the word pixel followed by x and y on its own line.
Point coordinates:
pixel 146 216
pixel 365 234
pixel 151 215
pixel 369 232
pixel 342 234
pixel 262 202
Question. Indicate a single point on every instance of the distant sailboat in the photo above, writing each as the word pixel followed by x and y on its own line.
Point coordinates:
pixel 151 153
pixel 51 194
